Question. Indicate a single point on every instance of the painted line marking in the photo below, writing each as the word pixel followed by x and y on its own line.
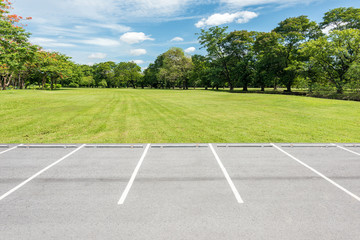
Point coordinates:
pixel 8 150
pixel 226 174
pixel 38 173
pixel 318 173
pixel 348 150
pixel 133 176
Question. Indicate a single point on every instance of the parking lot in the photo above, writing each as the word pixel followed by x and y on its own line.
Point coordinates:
pixel 180 191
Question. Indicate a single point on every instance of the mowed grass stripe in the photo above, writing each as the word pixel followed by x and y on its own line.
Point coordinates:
pixel 158 116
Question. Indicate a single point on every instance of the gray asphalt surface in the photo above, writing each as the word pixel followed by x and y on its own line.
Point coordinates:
pixel 180 192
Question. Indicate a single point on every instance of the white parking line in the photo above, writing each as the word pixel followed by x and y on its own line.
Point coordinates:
pixel 318 173
pixel 8 150
pixel 226 174
pixel 133 176
pixel 348 150
pixel 38 173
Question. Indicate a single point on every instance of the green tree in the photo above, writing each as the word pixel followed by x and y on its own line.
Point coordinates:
pixel 128 74
pixel 270 59
pixel 335 55
pixel 104 71
pixel 176 68
pixel 200 70
pixel 295 31
pixel 214 40
pixel 342 18
pixel 240 48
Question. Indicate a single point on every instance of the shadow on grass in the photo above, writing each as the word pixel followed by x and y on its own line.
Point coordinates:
pixel 261 92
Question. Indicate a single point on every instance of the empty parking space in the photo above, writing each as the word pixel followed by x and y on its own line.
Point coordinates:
pixel 352 148
pixel 337 164
pixel 286 200
pixel 74 200
pixel 21 163
pixel 180 191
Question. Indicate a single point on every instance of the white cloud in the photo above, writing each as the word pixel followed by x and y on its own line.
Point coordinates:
pixel 97 56
pixel 48 42
pixel 103 42
pixel 219 19
pixel 177 39
pixel 138 62
pixel 190 50
pixel 331 27
pixel 134 37
pixel 138 52
pixel 246 16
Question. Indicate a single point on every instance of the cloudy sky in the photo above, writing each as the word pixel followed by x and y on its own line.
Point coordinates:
pixel 93 31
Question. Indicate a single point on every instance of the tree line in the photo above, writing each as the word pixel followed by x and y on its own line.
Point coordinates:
pixel 23 64
pixel 298 52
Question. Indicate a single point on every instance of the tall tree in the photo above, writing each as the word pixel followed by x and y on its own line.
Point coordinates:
pixel 104 72
pixel 15 50
pixel 335 55
pixel 295 31
pixel 240 48
pixel 129 73
pixel 269 59
pixel 176 68
pixel 214 41
pixel 342 18
pixel 200 70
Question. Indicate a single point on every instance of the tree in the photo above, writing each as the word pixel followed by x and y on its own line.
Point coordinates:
pixel 104 71
pixel 341 19
pixel 335 55
pixel 15 50
pixel 295 31
pixel 214 41
pixel 128 73
pixel 240 48
pixel 200 70
pixel 269 59
pixel 176 68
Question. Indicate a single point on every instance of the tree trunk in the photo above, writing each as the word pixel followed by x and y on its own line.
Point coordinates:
pixel 263 88
pixel 288 88
pixel 245 88
pixel 43 82
pixel 21 82
pixel 1 82
pixel 52 84
pixel 7 81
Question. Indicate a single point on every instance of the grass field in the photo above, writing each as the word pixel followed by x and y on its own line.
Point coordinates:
pixel 173 116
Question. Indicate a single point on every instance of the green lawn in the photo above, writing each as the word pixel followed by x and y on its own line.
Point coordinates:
pixel 173 116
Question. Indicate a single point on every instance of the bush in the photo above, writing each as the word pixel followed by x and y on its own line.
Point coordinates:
pixel 103 84
pixel 73 85
pixel 58 86
pixel 87 81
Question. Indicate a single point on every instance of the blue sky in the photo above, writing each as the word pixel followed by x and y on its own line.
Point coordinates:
pixel 92 31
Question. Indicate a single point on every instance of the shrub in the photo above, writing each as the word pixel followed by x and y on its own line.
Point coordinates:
pixel 73 85
pixel 103 84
